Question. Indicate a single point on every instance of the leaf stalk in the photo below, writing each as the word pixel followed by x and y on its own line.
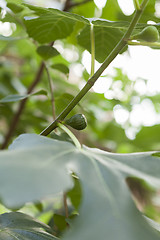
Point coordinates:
pixel 51 92
pixel 144 43
pixel 136 4
pixel 70 134
pixel 92 50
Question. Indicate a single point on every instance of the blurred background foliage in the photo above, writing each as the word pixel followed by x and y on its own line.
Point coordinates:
pixel 110 113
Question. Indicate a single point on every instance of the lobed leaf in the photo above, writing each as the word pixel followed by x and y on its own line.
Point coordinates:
pixel 111 13
pixel 107 35
pixel 52 24
pixel 42 167
pixel 106 38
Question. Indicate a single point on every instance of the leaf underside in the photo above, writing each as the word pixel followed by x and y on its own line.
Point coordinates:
pixel 107 208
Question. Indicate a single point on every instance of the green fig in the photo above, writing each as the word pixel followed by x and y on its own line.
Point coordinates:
pixel 78 121
pixel 148 34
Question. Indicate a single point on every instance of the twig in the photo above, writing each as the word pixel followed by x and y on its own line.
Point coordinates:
pixel 51 91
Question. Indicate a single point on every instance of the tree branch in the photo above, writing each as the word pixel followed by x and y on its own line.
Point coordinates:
pixel 93 79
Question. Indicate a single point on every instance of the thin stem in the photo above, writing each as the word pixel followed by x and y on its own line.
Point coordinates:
pixel 136 4
pixel 93 79
pixel 92 50
pixel 143 43
pixel 51 92
pixel 72 136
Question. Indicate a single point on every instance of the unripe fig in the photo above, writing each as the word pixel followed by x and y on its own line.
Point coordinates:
pixel 78 121
pixel 148 34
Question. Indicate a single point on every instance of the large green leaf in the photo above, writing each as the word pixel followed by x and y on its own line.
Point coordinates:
pixel 147 138
pixel 105 40
pixel 107 36
pixel 52 24
pixel 150 12
pixel 36 167
pixel 87 10
pixel 112 13
pixel 20 226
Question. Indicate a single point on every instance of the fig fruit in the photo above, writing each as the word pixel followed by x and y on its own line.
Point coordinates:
pixel 78 121
pixel 148 34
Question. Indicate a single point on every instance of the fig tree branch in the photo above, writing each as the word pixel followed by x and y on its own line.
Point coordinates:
pixel 93 79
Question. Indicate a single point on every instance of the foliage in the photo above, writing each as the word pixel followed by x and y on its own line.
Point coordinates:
pixel 70 190
pixel 18 225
